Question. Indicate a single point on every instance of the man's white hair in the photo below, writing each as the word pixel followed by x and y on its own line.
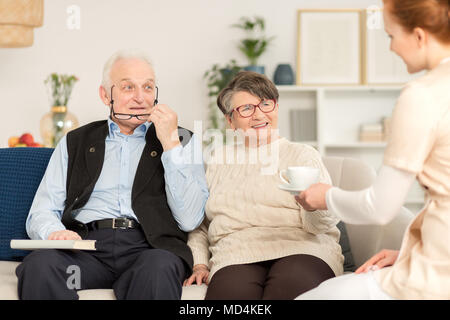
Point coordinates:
pixel 122 54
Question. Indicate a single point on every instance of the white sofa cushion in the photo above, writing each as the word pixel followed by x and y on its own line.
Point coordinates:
pixel 8 287
pixel 8 280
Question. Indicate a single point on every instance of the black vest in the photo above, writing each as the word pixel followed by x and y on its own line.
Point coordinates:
pixel 86 150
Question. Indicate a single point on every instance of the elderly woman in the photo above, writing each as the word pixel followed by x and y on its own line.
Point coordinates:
pixel 256 241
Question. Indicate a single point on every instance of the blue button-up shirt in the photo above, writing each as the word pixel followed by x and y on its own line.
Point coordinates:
pixel 186 186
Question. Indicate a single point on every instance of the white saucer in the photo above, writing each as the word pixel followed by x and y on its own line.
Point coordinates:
pixel 292 190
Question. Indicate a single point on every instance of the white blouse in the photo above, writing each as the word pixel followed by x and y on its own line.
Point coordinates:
pixel 377 204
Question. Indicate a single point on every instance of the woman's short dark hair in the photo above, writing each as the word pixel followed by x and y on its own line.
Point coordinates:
pixel 248 81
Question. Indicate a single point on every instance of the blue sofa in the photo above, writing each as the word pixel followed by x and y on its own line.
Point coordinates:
pixel 21 171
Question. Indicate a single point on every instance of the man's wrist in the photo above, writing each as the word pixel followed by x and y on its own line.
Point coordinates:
pixel 170 145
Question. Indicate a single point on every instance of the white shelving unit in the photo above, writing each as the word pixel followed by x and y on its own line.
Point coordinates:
pixel 361 145
pixel 340 111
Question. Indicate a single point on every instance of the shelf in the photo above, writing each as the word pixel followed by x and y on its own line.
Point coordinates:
pixel 294 88
pixel 311 143
pixel 350 145
pixel 339 113
pixel 364 88
pixel 417 200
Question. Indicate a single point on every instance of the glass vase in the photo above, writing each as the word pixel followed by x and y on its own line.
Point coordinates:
pixel 55 124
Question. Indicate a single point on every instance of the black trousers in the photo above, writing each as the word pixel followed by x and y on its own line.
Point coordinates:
pixel 279 279
pixel 123 261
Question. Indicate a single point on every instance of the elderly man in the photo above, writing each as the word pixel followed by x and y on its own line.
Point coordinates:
pixel 127 182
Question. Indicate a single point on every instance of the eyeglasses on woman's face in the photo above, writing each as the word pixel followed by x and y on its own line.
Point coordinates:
pixel 247 110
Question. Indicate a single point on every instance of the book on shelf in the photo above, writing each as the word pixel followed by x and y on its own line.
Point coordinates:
pixel 373 128
pixel 372 132
pixel 53 244
pixel 371 137
pixel 386 127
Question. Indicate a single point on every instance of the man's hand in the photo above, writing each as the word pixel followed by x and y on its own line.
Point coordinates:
pixel 382 259
pixel 200 274
pixel 64 235
pixel 166 125
pixel 313 198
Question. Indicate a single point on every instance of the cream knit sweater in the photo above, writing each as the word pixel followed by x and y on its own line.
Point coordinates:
pixel 249 219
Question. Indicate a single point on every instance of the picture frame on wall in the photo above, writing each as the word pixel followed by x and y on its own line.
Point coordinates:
pixel 330 43
pixel 383 66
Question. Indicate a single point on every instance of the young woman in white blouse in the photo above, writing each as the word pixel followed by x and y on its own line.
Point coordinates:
pixel 418 147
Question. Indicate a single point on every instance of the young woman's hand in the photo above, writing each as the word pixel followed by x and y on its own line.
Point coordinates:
pixel 384 258
pixel 199 275
pixel 313 198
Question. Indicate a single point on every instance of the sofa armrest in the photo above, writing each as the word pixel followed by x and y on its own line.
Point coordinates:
pixel 367 240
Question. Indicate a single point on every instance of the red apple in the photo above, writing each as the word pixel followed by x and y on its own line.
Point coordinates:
pixel 26 138
pixel 35 145
pixel 13 141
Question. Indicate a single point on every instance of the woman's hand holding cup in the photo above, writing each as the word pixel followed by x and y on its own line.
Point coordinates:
pixel 313 198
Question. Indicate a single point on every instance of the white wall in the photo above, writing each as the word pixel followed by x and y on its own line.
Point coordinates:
pixel 184 39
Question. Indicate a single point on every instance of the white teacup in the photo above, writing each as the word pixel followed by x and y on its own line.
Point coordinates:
pixel 300 178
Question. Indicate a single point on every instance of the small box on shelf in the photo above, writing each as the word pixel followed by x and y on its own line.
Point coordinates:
pixel 372 132
pixel 386 127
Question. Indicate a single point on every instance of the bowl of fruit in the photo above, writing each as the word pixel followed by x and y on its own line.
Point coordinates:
pixel 25 140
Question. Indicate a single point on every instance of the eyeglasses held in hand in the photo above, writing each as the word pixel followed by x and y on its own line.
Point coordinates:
pixel 128 116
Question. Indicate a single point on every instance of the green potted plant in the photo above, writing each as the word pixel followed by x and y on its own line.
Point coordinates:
pixel 56 123
pixel 217 78
pixel 255 43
